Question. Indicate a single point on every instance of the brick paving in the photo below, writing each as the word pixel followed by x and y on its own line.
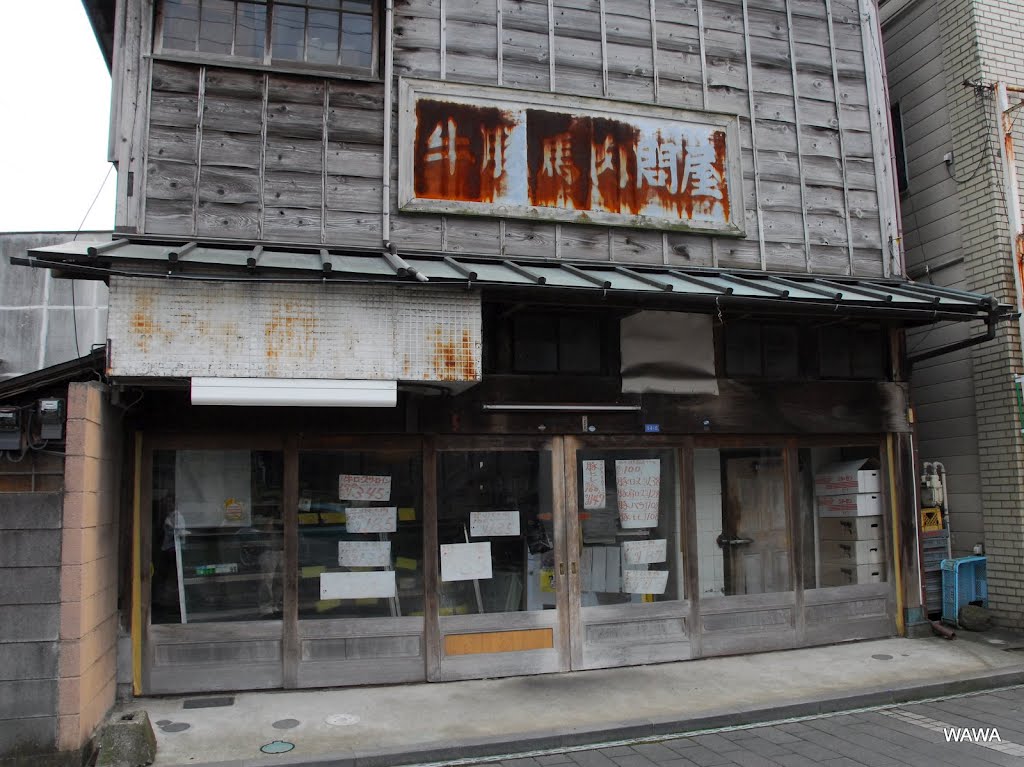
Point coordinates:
pixel 911 734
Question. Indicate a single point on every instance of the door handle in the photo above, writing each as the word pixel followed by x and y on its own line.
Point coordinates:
pixel 723 540
pixel 561 568
pixel 572 568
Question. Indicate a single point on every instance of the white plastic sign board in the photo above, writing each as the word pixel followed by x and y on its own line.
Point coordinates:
pixel 371 519
pixel 644 581
pixel 364 553
pixel 364 487
pixel 644 552
pixel 466 561
pixel 358 585
pixel 483 524
pixel 593 485
pixel 638 487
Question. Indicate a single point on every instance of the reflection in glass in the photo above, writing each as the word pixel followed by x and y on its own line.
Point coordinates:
pixel 511 553
pixel 216 27
pixel 289 33
pixel 337 535
pixel 743 538
pixel 181 24
pixel 628 511
pixel 357 37
pixel 250 30
pixel 841 517
pixel 217 535
pixel 323 37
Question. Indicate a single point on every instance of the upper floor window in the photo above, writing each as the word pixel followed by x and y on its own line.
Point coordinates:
pixel 331 34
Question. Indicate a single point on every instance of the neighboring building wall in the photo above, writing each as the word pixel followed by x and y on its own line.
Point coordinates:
pixel 981 42
pixel 943 393
pixel 30 560
pixel 36 325
pixel 967 410
pixel 88 589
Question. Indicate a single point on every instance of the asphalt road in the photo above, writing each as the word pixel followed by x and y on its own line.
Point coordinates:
pixel 989 726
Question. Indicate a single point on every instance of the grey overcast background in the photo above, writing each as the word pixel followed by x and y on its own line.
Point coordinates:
pixel 55 102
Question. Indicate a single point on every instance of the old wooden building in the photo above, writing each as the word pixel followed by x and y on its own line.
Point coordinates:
pixel 464 338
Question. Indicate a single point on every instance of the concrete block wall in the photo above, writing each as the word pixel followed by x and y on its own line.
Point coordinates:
pixel 88 589
pixel 981 43
pixel 30 560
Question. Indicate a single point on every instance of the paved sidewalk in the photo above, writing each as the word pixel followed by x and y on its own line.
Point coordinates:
pixel 403 724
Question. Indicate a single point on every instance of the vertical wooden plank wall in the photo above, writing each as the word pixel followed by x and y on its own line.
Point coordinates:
pixel 258 155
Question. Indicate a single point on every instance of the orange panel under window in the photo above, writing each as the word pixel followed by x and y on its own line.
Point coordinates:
pixel 499 641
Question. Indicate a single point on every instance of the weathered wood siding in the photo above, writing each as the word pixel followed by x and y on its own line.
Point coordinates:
pixel 276 157
pixel 943 392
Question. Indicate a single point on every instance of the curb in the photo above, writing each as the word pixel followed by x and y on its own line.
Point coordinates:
pixel 555 739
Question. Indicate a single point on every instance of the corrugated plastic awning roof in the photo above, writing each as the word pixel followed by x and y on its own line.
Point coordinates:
pixel 661 286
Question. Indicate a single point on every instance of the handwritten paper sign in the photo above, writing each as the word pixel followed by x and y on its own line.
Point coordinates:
pixel 644 552
pixel 644 581
pixel 358 585
pixel 364 487
pixel 593 485
pixel 364 553
pixel 638 485
pixel 376 519
pixel 493 523
pixel 465 561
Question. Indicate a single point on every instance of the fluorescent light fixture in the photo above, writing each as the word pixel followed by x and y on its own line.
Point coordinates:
pixel 294 392
pixel 539 408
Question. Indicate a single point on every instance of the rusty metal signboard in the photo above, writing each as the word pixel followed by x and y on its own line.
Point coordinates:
pixel 486 151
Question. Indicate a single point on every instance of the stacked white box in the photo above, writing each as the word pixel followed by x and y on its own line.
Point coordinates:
pixel 849 508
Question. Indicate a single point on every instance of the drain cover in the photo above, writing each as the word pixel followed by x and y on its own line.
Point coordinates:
pixel 277 747
pixel 227 700
pixel 882 656
pixel 342 720
pixel 285 724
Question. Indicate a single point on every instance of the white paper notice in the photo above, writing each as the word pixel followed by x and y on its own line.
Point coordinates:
pixel 644 581
pixel 364 487
pixel 375 519
pixel 358 585
pixel 364 553
pixel 644 552
pixel 593 485
pixel 493 523
pixel 465 561
pixel 638 485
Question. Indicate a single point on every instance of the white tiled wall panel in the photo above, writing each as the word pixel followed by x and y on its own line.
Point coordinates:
pixel 266 330
pixel 708 486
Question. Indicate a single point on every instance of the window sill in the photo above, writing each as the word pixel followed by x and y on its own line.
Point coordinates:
pixel 328 73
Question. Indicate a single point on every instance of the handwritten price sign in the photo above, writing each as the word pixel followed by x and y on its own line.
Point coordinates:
pixel 593 485
pixel 376 519
pixel 364 487
pixel 638 486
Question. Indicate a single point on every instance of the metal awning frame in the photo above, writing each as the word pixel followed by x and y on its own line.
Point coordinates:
pixel 543 280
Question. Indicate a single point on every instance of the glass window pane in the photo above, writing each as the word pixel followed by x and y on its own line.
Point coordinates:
pixel 323 37
pixel 781 351
pixel 217 536
pixel 841 516
pixel 217 26
pixel 535 344
pixel 743 538
pixel 357 38
pixel 289 33
pixel 360 515
pixel 742 349
pixel 579 347
pixel 628 511
pixel 250 30
pixel 834 352
pixel 866 354
pixel 181 24
pixel 499 503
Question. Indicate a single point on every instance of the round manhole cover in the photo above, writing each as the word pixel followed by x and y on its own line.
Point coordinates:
pixel 277 747
pixel 342 720
pixel 882 656
pixel 285 724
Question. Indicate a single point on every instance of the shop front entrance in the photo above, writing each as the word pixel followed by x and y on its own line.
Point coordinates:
pixel 557 554
pixel 366 560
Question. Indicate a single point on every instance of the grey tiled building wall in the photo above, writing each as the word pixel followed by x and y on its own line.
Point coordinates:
pixel 982 44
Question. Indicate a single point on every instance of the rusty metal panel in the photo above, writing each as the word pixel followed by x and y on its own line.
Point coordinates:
pixel 269 330
pixel 497 152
